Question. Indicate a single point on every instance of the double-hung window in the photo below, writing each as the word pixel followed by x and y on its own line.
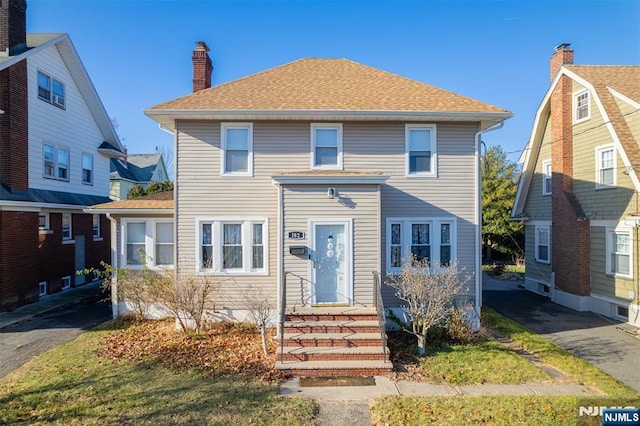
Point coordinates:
pixel 428 239
pixel 67 230
pixel 581 106
pixel 164 243
pixel 96 226
pixel 56 162
pixel 43 221
pixel 232 246
pixel 236 149
pixel 136 243
pixel 87 169
pixel 148 242
pixel 51 90
pixel 619 252
pixel 605 167
pixel 326 146
pixel 421 150
pixel 542 243
pixel 546 177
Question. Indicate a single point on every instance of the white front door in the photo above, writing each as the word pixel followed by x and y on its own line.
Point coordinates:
pixel 331 265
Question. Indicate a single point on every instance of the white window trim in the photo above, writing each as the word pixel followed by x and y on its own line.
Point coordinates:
pixel 537 243
pixel 223 148
pixel 405 236
pixel 247 245
pixel 68 239
pixel 68 280
pixel 599 150
pixel 434 150
pixel 84 154
pixel 546 176
pixel 149 242
pixel 56 162
pixel 51 99
pixel 340 158
pixel 47 220
pixel 42 284
pixel 621 229
pixel 575 106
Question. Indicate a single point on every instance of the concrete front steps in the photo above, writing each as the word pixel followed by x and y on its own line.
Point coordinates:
pixel 343 341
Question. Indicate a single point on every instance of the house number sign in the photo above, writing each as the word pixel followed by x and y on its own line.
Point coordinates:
pixel 296 235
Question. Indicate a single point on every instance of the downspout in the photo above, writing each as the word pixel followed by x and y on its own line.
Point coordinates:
pixel 478 216
pixel 115 312
pixel 280 259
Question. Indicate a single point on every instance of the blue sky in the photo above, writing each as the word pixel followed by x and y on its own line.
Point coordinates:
pixel 138 52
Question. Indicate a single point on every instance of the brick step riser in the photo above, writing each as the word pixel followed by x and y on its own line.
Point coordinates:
pixel 331 329
pixel 330 317
pixel 332 342
pixel 335 357
pixel 339 372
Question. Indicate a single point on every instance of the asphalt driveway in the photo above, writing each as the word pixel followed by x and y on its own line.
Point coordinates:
pixel 584 334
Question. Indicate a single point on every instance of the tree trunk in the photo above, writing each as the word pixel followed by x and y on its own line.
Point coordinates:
pixel 422 342
pixel 263 333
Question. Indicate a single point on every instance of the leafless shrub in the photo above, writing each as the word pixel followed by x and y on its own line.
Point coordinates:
pixel 430 292
pixel 260 312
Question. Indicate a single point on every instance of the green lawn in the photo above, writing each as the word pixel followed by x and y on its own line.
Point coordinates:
pixel 72 385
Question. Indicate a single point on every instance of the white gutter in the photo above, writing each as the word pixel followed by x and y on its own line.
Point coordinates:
pixel 478 218
pixel 48 206
pixel 129 211
pixel 115 311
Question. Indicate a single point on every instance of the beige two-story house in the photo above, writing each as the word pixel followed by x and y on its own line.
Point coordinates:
pixel 306 181
pixel 578 195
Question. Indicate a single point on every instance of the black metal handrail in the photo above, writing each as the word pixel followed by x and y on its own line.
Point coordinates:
pixel 382 321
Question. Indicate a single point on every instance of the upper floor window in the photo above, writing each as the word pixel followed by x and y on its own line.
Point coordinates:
pixel 87 169
pixel 605 167
pixel 51 90
pixel 542 242
pixel 236 149
pixel 421 150
pixel 66 226
pixel 546 177
pixel 233 246
pixel 56 162
pixel 430 239
pixel 326 146
pixel 581 106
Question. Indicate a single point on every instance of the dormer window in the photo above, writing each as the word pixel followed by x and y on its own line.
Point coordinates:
pixel 581 106
pixel 51 90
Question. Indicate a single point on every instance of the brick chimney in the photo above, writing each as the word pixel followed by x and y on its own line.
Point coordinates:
pixel 202 67
pixel 570 234
pixel 562 55
pixel 13 27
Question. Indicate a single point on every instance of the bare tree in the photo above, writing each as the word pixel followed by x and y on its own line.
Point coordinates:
pixel 260 311
pixel 430 292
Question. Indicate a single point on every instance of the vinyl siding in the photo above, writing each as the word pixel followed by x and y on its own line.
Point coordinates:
pixel 73 127
pixel 538 206
pixel 603 283
pixel 599 204
pixel 285 146
pixel 310 202
pixel 535 270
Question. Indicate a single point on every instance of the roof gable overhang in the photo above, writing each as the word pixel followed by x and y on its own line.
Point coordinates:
pixel 532 149
pixel 168 118
pixel 81 78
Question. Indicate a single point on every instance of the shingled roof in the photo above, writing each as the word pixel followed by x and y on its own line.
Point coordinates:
pixel 327 84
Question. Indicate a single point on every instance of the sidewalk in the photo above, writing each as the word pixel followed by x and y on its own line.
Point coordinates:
pixel 385 386
pixel 52 302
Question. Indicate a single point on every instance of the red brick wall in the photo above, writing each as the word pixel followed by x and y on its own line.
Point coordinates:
pixel 18 259
pixel 570 233
pixel 14 135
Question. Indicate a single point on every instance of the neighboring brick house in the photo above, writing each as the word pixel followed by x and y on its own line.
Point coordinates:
pixel 55 143
pixel 134 169
pixel 578 194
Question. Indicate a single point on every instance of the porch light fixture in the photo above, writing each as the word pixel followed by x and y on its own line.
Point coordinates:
pixel 331 193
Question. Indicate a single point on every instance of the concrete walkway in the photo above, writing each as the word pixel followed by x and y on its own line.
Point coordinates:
pixel 52 302
pixel 589 336
pixel 385 386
